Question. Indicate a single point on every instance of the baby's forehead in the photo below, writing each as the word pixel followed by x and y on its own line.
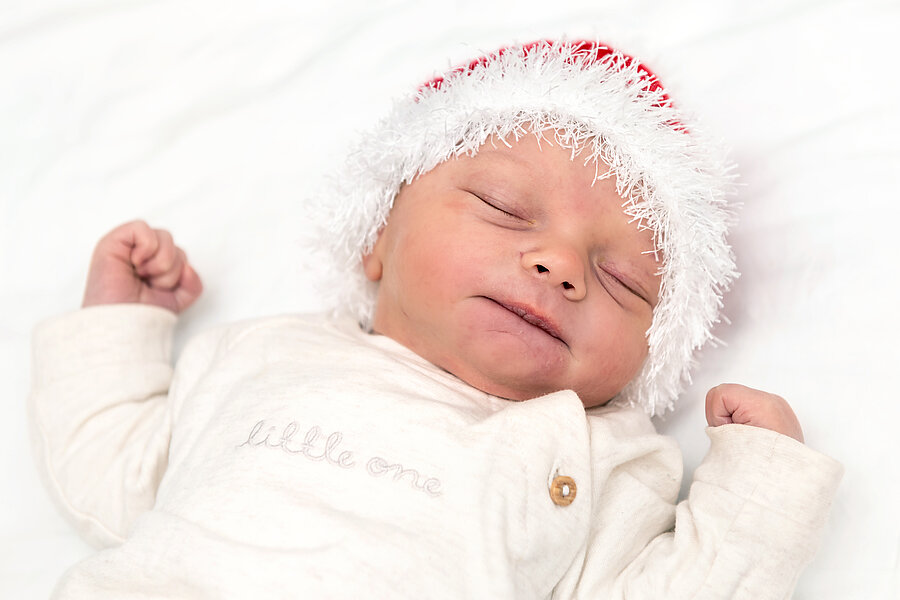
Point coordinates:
pixel 539 156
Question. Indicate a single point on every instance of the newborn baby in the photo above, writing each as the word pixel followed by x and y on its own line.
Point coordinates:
pixel 532 247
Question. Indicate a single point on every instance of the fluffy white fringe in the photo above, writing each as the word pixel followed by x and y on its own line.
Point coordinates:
pixel 671 179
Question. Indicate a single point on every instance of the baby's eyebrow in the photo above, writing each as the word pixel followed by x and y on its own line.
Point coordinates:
pixel 508 156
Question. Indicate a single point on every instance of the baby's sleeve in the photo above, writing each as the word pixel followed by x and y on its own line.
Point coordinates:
pixel 754 515
pixel 751 522
pixel 99 413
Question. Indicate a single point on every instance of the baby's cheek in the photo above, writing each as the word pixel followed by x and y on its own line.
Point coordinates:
pixel 446 261
pixel 618 353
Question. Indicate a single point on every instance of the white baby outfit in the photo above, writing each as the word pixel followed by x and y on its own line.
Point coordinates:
pixel 300 457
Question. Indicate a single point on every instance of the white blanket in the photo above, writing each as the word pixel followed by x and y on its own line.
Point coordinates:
pixel 216 119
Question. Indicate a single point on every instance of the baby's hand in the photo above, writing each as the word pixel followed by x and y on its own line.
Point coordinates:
pixel 134 263
pixel 732 403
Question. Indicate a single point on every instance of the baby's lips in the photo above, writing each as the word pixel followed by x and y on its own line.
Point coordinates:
pixel 534 317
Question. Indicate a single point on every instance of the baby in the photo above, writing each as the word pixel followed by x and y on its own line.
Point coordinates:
pixel 531 250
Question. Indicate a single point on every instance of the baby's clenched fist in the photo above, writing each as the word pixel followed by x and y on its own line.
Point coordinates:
pixel 136 263
pixel 733 403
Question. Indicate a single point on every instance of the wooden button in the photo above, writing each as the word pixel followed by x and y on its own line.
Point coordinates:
pixel 562 490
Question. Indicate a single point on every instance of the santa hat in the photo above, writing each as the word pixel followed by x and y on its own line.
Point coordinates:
pixel 586 96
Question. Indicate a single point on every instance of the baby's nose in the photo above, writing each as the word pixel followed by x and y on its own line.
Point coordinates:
pixel 560 267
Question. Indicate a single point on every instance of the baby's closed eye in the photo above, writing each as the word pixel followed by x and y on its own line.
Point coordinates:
pixel 503 208
pixel 608 273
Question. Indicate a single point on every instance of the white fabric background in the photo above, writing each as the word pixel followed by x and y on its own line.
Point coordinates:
pixel 216 119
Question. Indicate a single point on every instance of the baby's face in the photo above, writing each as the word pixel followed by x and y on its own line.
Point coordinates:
pixel 511 271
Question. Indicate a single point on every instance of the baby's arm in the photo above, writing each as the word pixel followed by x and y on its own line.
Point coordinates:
pixel 99 408
pixel 751 521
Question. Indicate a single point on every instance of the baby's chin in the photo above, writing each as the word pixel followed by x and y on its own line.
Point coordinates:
pixel 488 368
pixel 518 393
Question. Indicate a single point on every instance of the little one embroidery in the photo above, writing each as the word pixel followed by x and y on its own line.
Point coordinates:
pixel 531 249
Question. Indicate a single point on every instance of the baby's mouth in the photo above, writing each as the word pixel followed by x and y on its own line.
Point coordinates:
pixel 532 317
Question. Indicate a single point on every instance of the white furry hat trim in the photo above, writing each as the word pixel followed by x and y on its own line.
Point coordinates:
pixel 594 99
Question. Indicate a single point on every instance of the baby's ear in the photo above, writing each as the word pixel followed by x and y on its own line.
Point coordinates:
pixel 372 264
